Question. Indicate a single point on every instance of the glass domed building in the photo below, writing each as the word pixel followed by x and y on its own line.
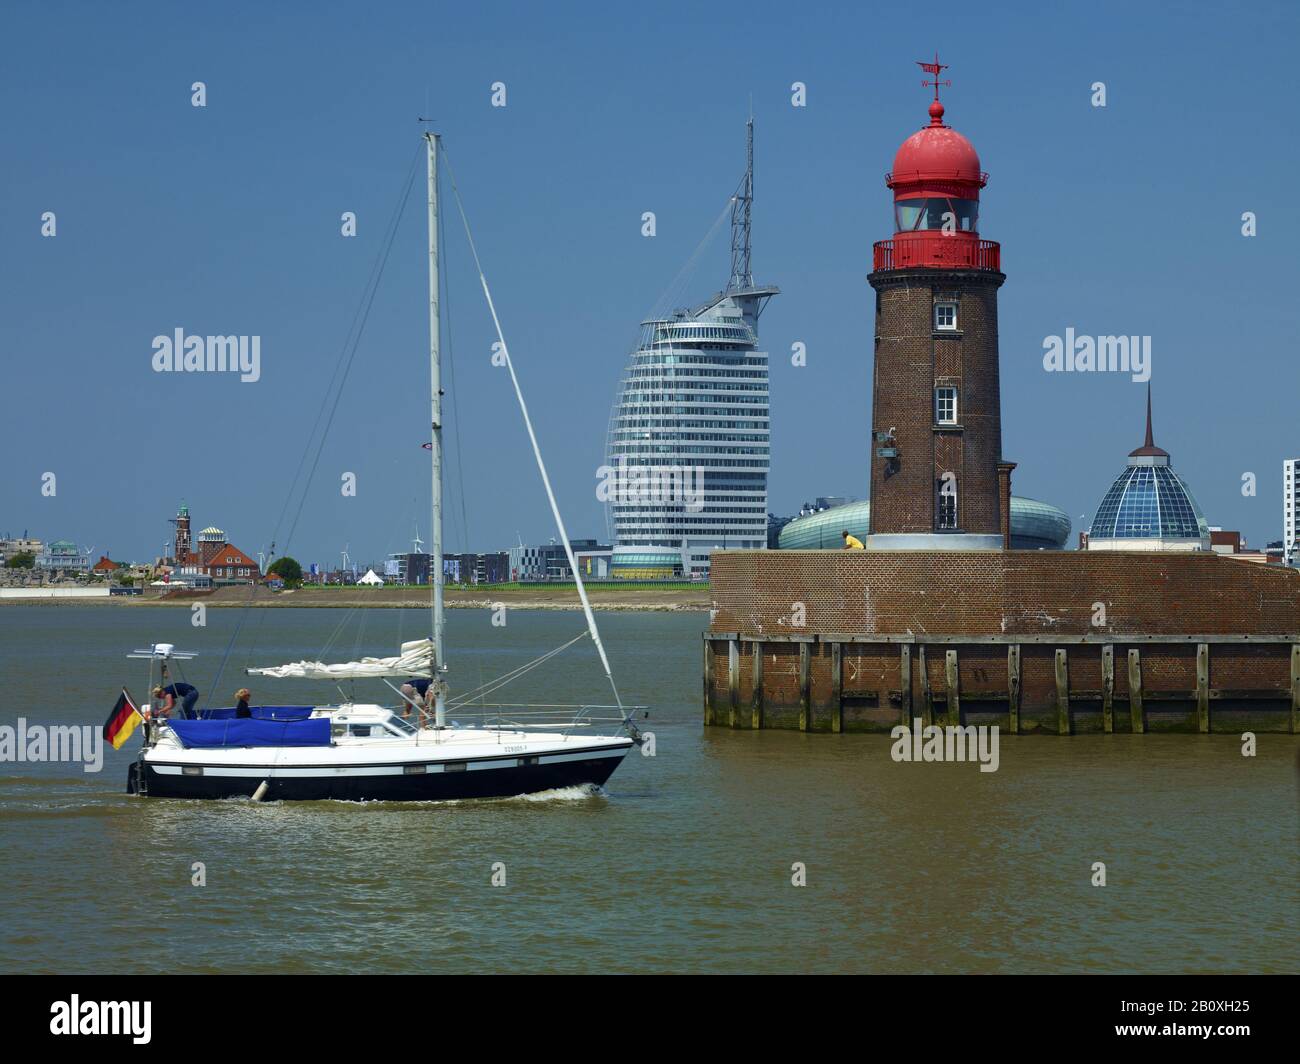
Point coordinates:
pixel 1149 506
pixel 1034 526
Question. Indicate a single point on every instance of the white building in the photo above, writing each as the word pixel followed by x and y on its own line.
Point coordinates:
pixel 689 442
pixel 1290 476
pixel 63 556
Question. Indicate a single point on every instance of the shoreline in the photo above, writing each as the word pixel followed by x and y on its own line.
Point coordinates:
pixel 627 600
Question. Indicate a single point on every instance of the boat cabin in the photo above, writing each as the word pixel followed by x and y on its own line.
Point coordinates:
pixel 342 725
pixel 353 722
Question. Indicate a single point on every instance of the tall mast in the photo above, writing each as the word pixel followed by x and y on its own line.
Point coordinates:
pixel 435 408
pixel 742 276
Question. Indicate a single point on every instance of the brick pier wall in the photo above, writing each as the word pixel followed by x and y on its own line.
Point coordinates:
pixel 1060 642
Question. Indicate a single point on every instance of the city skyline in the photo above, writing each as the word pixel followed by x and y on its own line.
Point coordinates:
pixel 225 219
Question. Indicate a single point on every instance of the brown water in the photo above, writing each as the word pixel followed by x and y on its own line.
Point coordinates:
pixel 684 864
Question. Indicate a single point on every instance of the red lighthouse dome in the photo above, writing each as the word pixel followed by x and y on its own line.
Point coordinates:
pixel 936 181
pixel 937 159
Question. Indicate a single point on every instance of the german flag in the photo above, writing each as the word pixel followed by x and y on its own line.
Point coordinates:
pixel 122 721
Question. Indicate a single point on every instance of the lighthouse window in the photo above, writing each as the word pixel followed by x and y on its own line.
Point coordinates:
pixel 947 503
pixel 937 213
pixel 945 315
pixel 945 406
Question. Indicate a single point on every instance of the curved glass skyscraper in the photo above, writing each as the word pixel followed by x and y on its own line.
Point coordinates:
pixel 688 440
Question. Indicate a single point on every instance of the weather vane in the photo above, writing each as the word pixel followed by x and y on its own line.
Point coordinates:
pixel 936 68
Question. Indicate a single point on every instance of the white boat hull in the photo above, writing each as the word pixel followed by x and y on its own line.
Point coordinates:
pixel 455 764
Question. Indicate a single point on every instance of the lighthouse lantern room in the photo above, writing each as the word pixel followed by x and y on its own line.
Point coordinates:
pixel 936 181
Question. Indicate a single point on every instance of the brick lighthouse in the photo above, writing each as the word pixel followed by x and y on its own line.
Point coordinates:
pixel 937 476
pixel 940 620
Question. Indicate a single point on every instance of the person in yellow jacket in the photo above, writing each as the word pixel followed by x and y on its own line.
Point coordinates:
pixel 851 542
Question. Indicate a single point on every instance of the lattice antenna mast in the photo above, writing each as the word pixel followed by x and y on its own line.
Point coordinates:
pixel 742 205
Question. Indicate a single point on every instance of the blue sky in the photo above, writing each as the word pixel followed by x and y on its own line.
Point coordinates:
pixel 225 219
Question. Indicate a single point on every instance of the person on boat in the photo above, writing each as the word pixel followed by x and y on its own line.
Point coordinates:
pixel 241 705
pixel 162 705
pixel 416 691
pixel 851 542
pixel 187 693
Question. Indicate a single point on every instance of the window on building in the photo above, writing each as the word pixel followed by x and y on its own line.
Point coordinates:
pixel 945 405
pixel 945 315
pixel 947 488
pixel 941 213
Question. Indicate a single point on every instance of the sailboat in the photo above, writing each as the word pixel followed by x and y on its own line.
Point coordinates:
pixel 354 751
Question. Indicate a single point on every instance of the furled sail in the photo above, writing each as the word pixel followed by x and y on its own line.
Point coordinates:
pixel 416 659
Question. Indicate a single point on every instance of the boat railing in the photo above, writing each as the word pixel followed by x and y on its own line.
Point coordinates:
pixel 525 716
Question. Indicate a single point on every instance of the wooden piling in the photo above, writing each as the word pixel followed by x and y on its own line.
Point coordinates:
pixel 837 687
pixel 1013 688
pixel 927 698
pixel 1108 688
pixel 1062 692
pixel 954 695
pixel 708 681
pixel 905 684
pixel 805 687
pixel 1203 688
pixel 1295 688
pixel 1276 703
pixel 1135 691
pixel 733 683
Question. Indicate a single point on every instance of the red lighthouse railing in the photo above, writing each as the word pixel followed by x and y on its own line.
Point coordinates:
pixel 961 251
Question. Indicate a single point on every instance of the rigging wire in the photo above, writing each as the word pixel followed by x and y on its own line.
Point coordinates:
pixel 336 386
pixel 351 356
pixel 514 674
pixel 340 375
pixel 537 453
pixel 445 306
pixel 342 364
pixel 671 297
